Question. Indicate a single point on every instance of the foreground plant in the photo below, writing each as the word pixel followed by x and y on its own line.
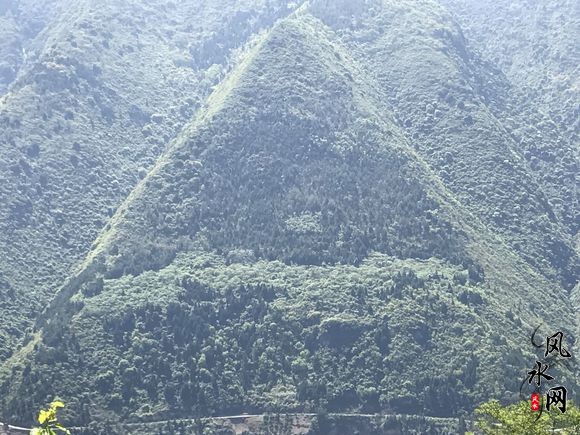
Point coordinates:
pixel 518 419
pixel 48 420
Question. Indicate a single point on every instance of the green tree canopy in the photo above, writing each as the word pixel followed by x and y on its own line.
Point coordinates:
pixel 516 419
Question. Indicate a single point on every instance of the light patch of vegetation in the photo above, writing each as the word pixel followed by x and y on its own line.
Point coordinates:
pixel 48 419
pixel 517 419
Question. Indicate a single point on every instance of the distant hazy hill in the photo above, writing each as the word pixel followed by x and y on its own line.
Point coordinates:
pixel 349 222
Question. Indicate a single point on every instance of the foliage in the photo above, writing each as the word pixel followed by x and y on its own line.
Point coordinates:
pixel 345 224
pixel 89 99
pixel 516 419
pixel 204 337
pixel 48 420
pixel 453 123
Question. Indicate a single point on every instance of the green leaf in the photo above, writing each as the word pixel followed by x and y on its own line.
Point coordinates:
pixel 43 416
pixel 62 428
pixel 57 404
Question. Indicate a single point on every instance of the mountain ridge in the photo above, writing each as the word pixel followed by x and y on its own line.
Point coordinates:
pixel 194 271
pixel 104 87
pixel 301 246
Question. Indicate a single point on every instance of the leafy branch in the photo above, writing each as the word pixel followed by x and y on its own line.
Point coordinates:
pixel 48 420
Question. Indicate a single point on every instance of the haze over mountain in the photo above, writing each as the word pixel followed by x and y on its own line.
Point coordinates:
pixel 210 208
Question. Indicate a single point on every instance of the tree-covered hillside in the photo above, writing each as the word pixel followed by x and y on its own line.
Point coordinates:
pixel 91 93
pixel 441 93
pixel 297 249
pixel 533 46
pixel 332 207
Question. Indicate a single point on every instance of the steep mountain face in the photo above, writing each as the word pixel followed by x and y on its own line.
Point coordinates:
pixel 336 229
pixel 532 45
pixel 92 93
pixel 441 96
pixel 21 21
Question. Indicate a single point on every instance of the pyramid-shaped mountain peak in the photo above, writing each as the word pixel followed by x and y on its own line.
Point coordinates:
pixel 309 243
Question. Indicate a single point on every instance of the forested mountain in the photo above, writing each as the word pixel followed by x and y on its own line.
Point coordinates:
pixel 93 91
pixel 211 208
pixel 533 45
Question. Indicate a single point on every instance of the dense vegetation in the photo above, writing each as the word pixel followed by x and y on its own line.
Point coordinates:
pixel 347 223
pixel 516 419
pixel 538 106
pixel 96 92
pixel 222 339
pixel 451 125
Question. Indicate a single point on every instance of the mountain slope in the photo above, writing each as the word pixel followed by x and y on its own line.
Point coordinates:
pixel 91 98
pixel 532 45
pixel 450 124
pixel 290 251
pixel 21 23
